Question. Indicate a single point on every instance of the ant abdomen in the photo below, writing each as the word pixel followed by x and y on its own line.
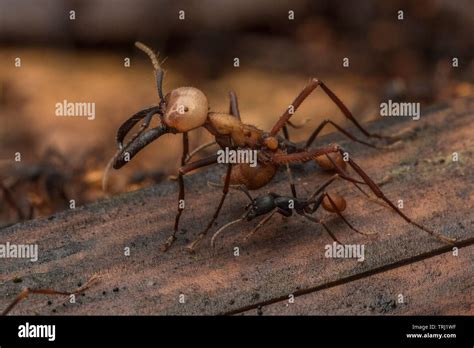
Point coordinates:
pixel 326 163
pixel 252 177
pixel 337 200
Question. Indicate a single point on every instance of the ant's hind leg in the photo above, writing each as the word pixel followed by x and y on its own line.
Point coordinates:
pixel 307 90
pixel 316 132
pixel 331 234
pixel 319 200
pixel 378 192
pixel 339 213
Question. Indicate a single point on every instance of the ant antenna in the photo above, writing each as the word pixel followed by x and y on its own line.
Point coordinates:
pixel 156 64
pixel 149 52
pixel 223 228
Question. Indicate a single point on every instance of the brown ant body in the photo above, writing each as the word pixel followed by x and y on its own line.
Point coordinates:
pixel 187 108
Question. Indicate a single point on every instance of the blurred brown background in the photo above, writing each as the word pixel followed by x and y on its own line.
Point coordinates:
pixel 82 60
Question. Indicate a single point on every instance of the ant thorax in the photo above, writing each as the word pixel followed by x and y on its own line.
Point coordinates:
pixel 242 135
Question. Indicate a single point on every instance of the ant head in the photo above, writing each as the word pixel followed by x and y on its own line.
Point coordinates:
pixel 185 108
pixel 181 110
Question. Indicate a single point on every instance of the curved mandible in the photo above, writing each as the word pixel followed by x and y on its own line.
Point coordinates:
pixel 132 148
pixel 132 121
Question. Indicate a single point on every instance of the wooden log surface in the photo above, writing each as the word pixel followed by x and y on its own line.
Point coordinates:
pixel 287 256
pixel 436 285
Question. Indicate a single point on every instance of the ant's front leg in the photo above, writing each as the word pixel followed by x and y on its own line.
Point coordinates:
pixel 234 111
pixel 225 190
pixel 181 204
pixel 331 234
pixel 267 218
pixel 172 238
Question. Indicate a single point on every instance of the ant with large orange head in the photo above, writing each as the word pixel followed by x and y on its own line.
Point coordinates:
pixel 186 108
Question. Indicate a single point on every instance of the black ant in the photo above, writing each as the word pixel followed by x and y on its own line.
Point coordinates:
pixel 273 203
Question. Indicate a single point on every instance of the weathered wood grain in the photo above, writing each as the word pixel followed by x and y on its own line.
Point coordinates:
pixel 439 285
pixel 284 257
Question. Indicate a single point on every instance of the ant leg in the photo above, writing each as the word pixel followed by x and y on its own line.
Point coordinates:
pixel 314 83
pixel 290 178
pixel 172 238
pixel 338 212
pixel 262 223
pixel 225 190
pixel 199 149
pixel 344 176
pixel 182 172
pixel 346 133
pixel 318 201
pixel 325 227
pixel 303 156
pixel 378 192
pixel 322 187
pixel 27 291
pixel 234 110
pixel 288 169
